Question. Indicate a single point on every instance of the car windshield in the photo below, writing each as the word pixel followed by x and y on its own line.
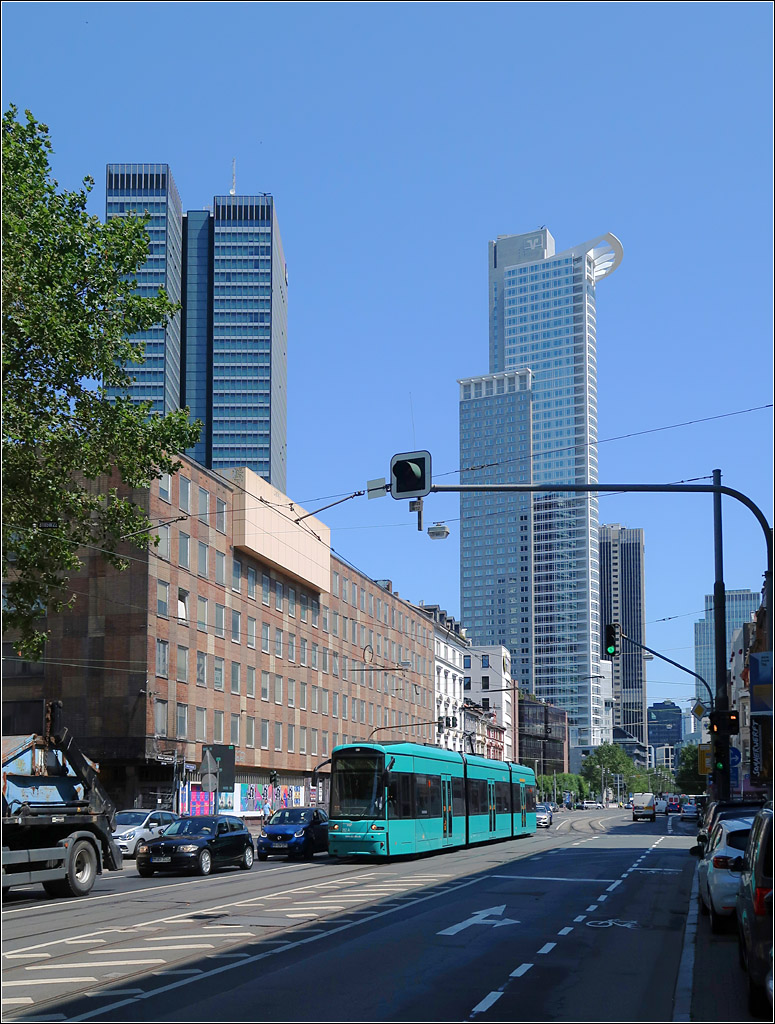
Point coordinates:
pixel 131 817
pixel 191 827
pixel 291 816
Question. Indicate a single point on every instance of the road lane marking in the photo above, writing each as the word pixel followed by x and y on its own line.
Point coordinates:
pixel 523 969
pixel 614 885
pixel 487 1002
pixel 547 948
pixel 565 931
pixel 104 963
pixel 550 878
pixel 481 917
pixel 44 981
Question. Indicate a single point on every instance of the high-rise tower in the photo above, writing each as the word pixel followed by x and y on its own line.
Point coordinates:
pixel 542 318
pixel 623 600
pixel 740 606
pixel 225 354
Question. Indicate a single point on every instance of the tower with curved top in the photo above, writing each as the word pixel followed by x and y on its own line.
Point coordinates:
pixel 546 607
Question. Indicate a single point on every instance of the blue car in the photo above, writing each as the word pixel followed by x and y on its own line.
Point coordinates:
pixel 295 831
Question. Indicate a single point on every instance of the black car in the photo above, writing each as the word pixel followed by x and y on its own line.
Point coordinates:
pixel 294 830
pixel 197 844
pixel 721 810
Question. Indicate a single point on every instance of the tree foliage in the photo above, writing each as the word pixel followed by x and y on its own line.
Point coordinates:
pixel 688 778
pixel 69 307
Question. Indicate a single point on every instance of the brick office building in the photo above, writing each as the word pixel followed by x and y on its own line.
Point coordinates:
pixel 239 628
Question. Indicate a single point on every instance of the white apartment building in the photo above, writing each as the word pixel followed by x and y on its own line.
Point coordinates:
pixel 451 647
pixel 487 681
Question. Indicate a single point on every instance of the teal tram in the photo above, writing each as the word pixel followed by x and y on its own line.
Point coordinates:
pixel 393 799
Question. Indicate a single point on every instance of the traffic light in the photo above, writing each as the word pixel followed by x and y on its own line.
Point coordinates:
pixel 274 778
pixel 721 760
pixel 440 723
pixel 724 723
pixel 410 474
pixel 613 639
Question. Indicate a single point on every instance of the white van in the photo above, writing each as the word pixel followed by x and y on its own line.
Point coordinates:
pixel 644 805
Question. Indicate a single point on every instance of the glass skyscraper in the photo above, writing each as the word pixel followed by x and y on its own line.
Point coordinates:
pixel 739 606
pixel 150 188
pixel 542 319
pixel 226 358
pixel 623 600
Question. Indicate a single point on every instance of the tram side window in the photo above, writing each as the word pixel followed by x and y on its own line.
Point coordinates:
pixel 428 796
pixel 530 798
pixel 458 797
pixel 400 794
pixel 517 797
pixel 502 798
pixel 477 796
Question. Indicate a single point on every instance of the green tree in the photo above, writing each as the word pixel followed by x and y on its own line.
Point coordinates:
pixel 687 776
pixel 603 764
pixel 69 306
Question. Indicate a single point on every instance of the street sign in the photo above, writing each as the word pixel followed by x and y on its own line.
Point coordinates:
pixel 698 711
pixel 209 772
pixel 735 757
pixel 704 759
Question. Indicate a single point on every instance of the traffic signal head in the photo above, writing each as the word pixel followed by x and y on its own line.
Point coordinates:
pixel 612 640
pixel 440 723
pixel 274 778
pixel 410 474
pixel 724 723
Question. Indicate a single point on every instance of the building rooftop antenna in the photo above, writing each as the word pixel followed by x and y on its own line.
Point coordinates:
pixel 233 190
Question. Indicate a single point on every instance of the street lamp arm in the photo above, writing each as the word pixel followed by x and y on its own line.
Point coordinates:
pixel 671 662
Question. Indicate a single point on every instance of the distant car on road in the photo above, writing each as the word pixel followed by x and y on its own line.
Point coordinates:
pixel 689 812
pixel 544 815
pixel 661 806
pixel 673 805
pixel 644 805
pixel 137 825
pixel 198 844
pixel 593 805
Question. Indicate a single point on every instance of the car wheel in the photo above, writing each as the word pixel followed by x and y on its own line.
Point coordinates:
pixel 246 863
pixel 717 922
pixel 144 870
pixel 204 864
pixel 262 856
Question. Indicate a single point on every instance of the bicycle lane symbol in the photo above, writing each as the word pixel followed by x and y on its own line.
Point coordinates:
pixel 613 922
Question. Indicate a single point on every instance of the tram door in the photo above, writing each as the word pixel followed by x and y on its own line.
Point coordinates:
pixel 523 804
pixel 446 809
pixel 491 804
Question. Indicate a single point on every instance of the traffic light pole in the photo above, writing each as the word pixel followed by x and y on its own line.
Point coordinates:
pixel 714 488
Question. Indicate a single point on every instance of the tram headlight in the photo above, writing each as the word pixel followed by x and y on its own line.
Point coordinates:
pixel 377 828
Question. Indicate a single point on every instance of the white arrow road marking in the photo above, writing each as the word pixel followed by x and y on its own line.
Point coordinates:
pixel 481 917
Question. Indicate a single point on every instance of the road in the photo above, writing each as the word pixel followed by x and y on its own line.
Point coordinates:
pixel 581 922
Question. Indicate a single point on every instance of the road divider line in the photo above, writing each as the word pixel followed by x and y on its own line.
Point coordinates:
pixel 487 1002
pixel 547 948
pixel 523 969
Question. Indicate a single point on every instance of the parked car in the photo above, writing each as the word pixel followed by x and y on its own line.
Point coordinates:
pixel 717 878
pixel 554 807
pixel 721 810
pixel 689 811
pixel 300 831
pixel 544 815
pixel 592 805
pixel 754 909
pixel 137 825
pixel 198 844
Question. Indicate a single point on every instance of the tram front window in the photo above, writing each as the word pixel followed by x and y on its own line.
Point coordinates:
pixel 357 787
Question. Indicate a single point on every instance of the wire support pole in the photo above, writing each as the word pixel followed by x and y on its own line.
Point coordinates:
pixel 674 663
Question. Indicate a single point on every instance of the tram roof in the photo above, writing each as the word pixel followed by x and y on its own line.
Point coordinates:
pixel 429 750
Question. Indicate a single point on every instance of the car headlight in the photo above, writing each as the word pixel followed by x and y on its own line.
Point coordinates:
pixel 189 848
pixel 299 834
pixel 142 848
pixel 263 835
pixel 128 835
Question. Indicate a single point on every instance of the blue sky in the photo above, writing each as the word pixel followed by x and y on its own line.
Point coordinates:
pixel 397 139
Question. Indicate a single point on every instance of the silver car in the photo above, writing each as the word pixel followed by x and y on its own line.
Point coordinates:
pixel 544 816
pixel 135 825
pixel 717 880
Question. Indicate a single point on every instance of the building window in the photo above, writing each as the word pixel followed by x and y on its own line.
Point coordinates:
pixel 292 602
pixel 220 515
pixel 278 689
pixel 291 647
pixel 184 542
pixel 303 605
pixel 278 643
pixel 163 547
pixel 302 651
pixel 182 722
pixel 264 685
pixel 266 587
pixel 220 568
pixel 236 575
pixel 250 732
pixel 235 677
pixel 218 674
pixel 302 739
pixel 251 639
pixel 201 614
pixel 164 487
pixel 236 620
pixel 201 669
pixel 291 733
pixel 185 494
pixel 485 661
pixel 278 595
pixel 183 599
pixel 250 686
pixel 160 718
pixel 264 734
pixel 251 582
pixel 201 725
pixel 234 734
pixel 265 637
pixel 182 666
pixel 162 658
pixel 204 506
pixel 220 620
pixel 466 661
pixel 291 693
pixel 278 736
pixel 217 727
pixel 162 598
pixel 203 558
